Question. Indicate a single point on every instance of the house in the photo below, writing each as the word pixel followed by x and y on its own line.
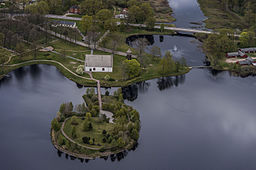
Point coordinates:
pixel 74 9
pixel 236 54
pixel 58 23
pixel 248 50
pixel 121 16
pixel 247 61
pixel 125 11
pixel 98 63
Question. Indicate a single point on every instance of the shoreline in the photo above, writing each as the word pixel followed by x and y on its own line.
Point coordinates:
pixel 81 156
pixel 88 82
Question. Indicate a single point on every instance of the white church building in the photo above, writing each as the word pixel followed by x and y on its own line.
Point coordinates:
pixel 98 63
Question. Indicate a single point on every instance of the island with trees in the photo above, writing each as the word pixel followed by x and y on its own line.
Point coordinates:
pixel 84 131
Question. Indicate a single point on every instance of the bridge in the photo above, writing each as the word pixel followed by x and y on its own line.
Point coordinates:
pixel 189 30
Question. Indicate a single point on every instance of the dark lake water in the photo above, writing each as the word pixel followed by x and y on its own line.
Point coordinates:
pixel 196 121
pixel 179 46
pixel 202 120
pixel 187 13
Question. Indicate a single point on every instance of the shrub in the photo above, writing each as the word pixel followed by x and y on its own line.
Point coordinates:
pixel 135 134
pixel 104 132
pixel 107 77
pixel 74 120
pixel 55 125
pixel 61 141
pixel 86 139
pixel 107 93
pixel 111 79
pixel 90 126
pixel 74 133
pixel 120 142
pixel 86 126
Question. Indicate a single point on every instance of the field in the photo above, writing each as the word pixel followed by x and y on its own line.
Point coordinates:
pixel 219 18
pixel 96 133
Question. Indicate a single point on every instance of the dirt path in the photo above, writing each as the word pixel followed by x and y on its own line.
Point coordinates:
pixel 52 61
pixel 71 140
pixel 98 89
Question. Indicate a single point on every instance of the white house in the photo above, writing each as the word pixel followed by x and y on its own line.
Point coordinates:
pixel 98 63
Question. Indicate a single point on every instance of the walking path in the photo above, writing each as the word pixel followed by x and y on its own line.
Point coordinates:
pixel 71 140
pixel 98 89
pixel 84 44
pixel 102 38
pixel 73 58
pixel 52 61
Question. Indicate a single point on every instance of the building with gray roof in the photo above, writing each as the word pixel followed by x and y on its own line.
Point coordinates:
pixel 98 63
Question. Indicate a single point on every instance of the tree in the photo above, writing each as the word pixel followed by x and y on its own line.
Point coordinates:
pixel 135 134
pixel 156 52
pixel 150 23
pixel 86 23
pixel 70 107
pixel 74 120
pixel 86 125
pixel 162 27
pixel 247 39
pixel 20 48
pixel 148 11
pixel 110 25
pixel 120 142
pixel 91 7
pixel 131 68
pixel 167 65
pixel 40 8
pixel 1 39
pixel 132 3
pixel 62 108
pixel 55 125
pixel 135 15
pixel 88 116
pixel 114 41
pixel 74 133
pixel 103 15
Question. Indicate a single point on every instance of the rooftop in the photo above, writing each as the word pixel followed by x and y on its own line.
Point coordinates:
pixel 64 22
pixel 98 60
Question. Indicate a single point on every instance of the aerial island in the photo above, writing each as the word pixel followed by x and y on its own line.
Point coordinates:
pixel 88 132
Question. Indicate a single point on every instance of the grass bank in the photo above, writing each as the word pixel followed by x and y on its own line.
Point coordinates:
pixel 219 17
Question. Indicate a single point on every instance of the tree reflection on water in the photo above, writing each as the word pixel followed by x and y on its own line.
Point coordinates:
pixel 168 82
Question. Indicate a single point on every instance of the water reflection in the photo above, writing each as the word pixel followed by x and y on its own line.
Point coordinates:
pixel 187 46
pixel 113 157
pixel 35 71
pixel 168 82
pixel 130 93
pixel 20 73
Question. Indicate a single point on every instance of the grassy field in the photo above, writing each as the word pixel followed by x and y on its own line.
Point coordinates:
pixel 162 10
pixel 218 17
pixel 96 133
pixel 130 31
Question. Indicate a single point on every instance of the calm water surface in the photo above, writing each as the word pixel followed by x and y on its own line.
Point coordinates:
pixel 202 120
pixel 197 121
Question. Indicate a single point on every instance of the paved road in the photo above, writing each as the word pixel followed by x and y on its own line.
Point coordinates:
pixel 63 17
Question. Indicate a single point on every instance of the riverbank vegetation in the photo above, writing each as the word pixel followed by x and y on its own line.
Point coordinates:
pixel 216 46
pixel 86 132
pixel 29 43
pixel 232 14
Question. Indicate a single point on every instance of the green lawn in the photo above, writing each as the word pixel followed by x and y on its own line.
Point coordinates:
pixel 96 133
